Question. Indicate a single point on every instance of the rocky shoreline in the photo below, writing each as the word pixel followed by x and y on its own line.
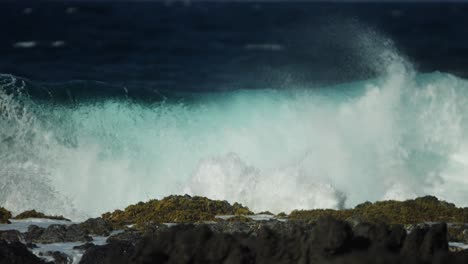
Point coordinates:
pixel 184 229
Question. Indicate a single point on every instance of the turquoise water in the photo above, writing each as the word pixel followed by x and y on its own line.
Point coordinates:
pixel 398 136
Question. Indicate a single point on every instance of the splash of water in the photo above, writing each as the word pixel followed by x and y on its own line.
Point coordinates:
pixel 397 136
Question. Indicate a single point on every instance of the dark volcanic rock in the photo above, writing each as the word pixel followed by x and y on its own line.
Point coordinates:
pixel 55 234
pixel 327 241
pixel 435 241
pixel 425 242
pixel 11 236
pixel 115 252
pixel 84 247
pixel 96 226
pixel 31 245
pixel 331 236
pixel 378 235
pixel 130 235
pixel 190 244
pixel 59 257
pixel 16 252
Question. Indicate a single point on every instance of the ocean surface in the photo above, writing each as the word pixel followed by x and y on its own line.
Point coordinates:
pixel 279 106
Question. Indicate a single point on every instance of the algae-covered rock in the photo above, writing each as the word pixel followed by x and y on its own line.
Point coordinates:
pixel 174 209
pixel 458 233
pixel 282 215
pixel 419 210
pixel 35 214
pixel 5 215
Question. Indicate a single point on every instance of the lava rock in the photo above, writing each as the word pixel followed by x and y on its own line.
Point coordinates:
pixel 115 253
pixel 435 241
pixel 16 252
pixel 96 226
pixel 11 236
pixel 56 234
pixel 84 247
pixel 129 235
pixel 378 235
pixel 59 257
pixel 331 236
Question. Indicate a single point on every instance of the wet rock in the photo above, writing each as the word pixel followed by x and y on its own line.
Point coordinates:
pixel 414 240
pixel 331 236
pixel 59 257
pixel 191 244
pixel 75 233
pixel 31 245
pixel 11 236
pixel 56 234
pixel 84 247
pixel 396 237
pixel 17 252
pixel 426 241
pixel 34 232
pixel 435 241
pixel 115 253
pixel 378 235
pixel 96 226
pixel 327 241
pixel 130 236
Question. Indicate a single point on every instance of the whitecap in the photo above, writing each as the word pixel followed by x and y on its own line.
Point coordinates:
pixel 25 44
pixel 57 43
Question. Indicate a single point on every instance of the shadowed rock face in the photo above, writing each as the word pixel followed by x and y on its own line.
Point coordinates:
pixel 16 252
pixel 56 234
pixel 327 241
pixel 96 226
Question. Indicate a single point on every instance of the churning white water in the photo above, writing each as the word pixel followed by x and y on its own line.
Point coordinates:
pixel 401 135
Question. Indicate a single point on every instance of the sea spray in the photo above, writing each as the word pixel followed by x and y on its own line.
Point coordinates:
pixel 396 136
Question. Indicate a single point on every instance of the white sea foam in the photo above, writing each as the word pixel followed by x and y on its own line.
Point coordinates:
pixel 398 136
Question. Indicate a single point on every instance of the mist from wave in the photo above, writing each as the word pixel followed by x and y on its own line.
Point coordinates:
pixel 400 135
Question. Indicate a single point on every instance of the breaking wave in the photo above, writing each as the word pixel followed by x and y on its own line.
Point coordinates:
pixel 400 135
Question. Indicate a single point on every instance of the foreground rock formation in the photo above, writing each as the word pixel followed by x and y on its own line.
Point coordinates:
pixel 327 241
pixel 413 231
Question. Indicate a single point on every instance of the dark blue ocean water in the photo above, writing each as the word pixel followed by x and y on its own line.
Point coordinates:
pixel 211 46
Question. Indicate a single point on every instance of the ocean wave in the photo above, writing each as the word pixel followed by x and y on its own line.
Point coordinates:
pixel 80 148
pixel 398 136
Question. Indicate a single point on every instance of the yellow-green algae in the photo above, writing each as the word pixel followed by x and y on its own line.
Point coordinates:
pixel 5 215
pixel 35 214
pixel 174 209
pixel 419 210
